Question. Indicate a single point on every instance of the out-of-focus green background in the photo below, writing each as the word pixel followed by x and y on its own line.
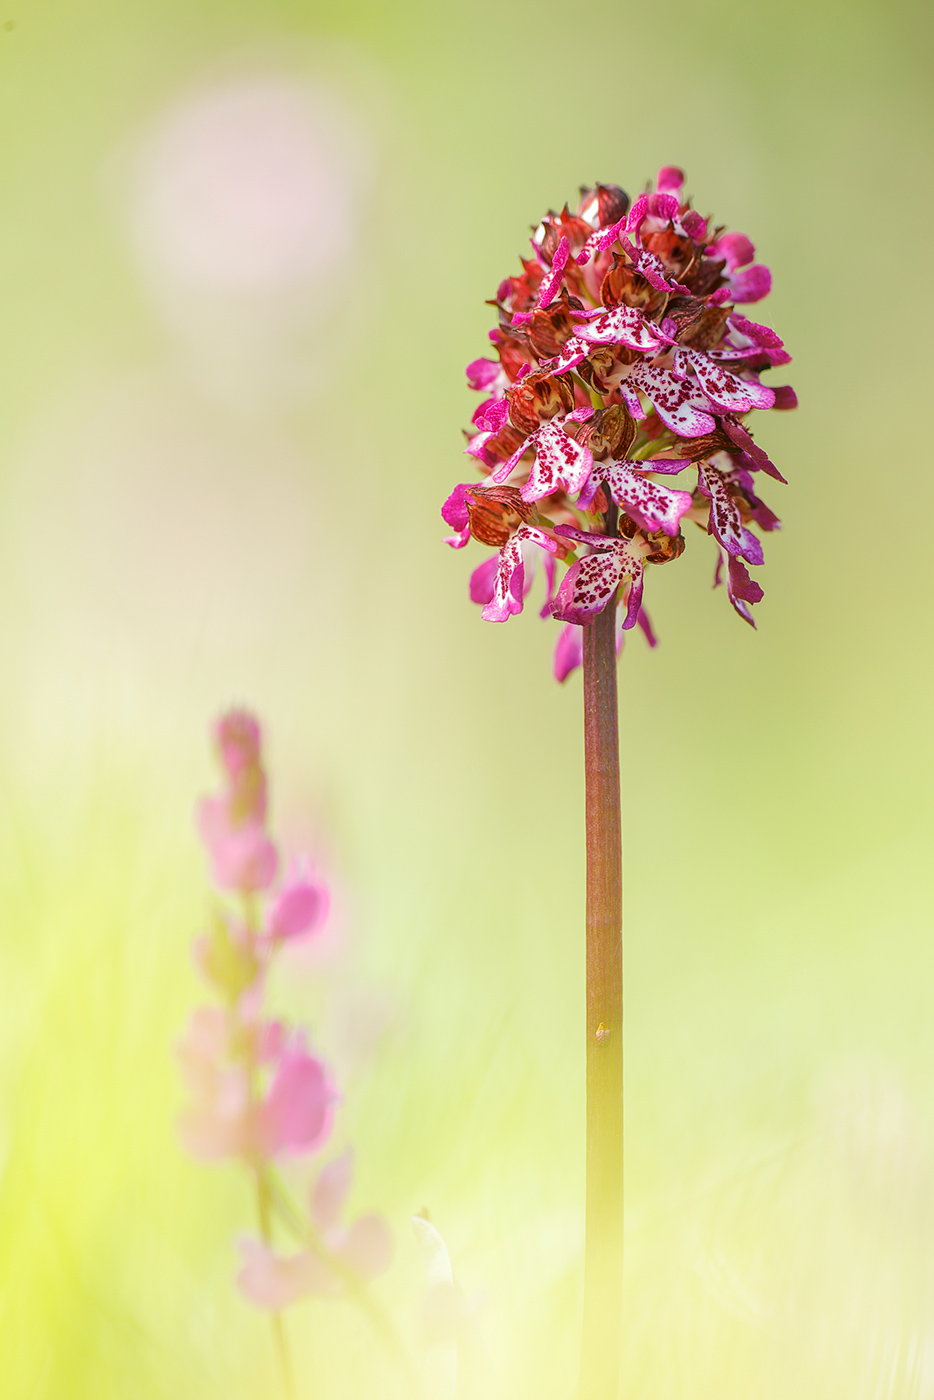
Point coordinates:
pixel 217 486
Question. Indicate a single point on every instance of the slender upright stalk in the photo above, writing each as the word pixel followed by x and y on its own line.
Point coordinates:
pixel 603 1246
pixel 279 1337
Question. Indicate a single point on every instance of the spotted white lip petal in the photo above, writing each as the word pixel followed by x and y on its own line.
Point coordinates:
pixel 441 1354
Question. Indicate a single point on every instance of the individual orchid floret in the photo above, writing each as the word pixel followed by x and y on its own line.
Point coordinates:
pixel 622 357
pixel 221 1056
pixel 300 907
pixel 337 1257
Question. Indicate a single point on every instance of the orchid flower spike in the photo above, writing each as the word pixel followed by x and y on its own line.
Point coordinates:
pixel 621 359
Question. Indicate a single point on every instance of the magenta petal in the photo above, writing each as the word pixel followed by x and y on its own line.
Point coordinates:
pixel 735 249
pixel 454 510
pixel 637 213
pixel 742 589
pixel 663 206
pixel 297 1112
pixel 300 905
pixel 694 225
pixel 744 441
pixel 368 1246
pixel 482 373
pixel 482 580
pixel 459 540
pixel 634 600
pixel 750 283
pixel 785 397
pixel 644 622
pixel 669 179
pixel 569 651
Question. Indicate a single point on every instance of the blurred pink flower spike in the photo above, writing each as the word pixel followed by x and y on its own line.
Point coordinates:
pixel 441 1313
pixel 297 1114
pixel 364 1249
pixel 238 739
pixel 300 907
pixel 242 855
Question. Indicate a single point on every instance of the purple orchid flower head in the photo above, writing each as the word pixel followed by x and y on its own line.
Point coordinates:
pixel 621 359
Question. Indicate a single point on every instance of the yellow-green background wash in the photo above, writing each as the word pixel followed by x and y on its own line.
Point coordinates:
pixel 166 550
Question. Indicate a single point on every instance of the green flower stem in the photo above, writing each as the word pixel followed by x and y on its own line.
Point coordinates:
pixel 603 1245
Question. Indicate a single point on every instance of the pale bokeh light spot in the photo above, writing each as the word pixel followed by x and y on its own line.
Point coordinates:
pixel 250 187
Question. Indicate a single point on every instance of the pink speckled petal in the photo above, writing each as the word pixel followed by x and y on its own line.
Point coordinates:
pixel 725 522
pixel 656 274
pixel 680 407
pixel 623 325
pixel 572 352
pixel 759 335
pixel 561 463
pixel 549 288
pixel 630 398
pixel 725 390
pixel 509 583
pixel 650 505
pixel 588 587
